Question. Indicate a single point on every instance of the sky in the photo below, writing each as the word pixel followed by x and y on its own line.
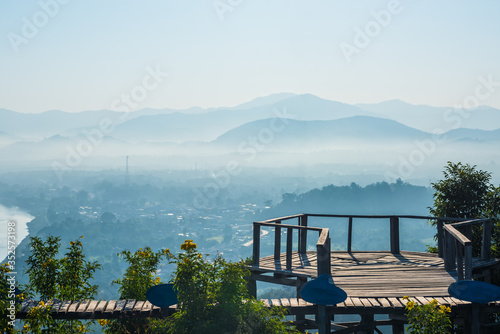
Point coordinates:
pixel 126 55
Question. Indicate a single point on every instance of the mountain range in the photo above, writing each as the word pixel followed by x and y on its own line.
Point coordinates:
pixel 271 126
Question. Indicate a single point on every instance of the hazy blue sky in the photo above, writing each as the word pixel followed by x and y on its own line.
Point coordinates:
pixel 83 55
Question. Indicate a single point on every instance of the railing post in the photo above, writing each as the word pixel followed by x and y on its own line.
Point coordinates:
pixel 440 238
pixel 289 244
pixel 449 257
pixel 349 236
pixel 468 232
pixel 460 260
pixel 256 244
pixel 395 235
pixel 277 241
pixel 303 234
pixel 323 320
pixel 486 246
pixel 468 262
pixel 324 267
pixel 323 257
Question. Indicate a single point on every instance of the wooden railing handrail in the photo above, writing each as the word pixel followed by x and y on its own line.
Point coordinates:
pixel 446 246
pixel 457 235
pixel 281 218
pixel 379 216
pixel 458 245
pixel 470 222
pixel 323 245
pixel 297 227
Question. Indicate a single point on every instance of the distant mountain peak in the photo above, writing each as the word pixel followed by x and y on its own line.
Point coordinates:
pixel 265 100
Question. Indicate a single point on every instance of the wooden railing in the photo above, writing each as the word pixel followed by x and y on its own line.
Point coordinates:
pixel 458 247
pixel 323 245
pixel 447 248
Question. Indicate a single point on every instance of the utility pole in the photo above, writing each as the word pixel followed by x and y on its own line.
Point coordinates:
pixel 126 172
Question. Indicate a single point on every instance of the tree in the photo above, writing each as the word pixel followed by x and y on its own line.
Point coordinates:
pixel 466 192
pixel 138 278
pixel 53 278
pixel 213 298
pixel 462 192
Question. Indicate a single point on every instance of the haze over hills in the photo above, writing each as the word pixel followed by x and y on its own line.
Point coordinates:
pixel 356 129
pixel 436 119
pixel 273 131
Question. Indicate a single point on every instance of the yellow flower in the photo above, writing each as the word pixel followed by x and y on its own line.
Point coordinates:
pixel 444 309
pixel 188 245
pixel 81 236
pixel 103 322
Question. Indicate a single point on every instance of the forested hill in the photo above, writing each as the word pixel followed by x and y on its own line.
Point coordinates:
pixel 379 198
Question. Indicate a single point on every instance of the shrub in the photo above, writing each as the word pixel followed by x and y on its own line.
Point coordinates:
pixel 52 278
pixel 427 319
pixel 213 298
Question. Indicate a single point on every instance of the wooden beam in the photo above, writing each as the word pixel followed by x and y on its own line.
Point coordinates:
pixel 277 241
pixel 486 246
pixel 468 262
pixel 440 236
pixel 323 320
pixel 394 221
pixel 289 244
pixel 310 228
pixel 457 235
pixel 303 235
pixel 449 257
pixel 256 244
pixel 349 236
pixel 469 222
pixel 323 253
pixel 460 260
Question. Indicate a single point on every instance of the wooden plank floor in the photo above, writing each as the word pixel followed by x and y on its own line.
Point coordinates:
pixel 373 274
pixel 113 309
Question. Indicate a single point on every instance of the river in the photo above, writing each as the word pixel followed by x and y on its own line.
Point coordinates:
pixel 21 218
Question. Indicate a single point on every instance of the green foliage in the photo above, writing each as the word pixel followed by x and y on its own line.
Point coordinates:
pixel 138 278
pixel 213 298
pixel 462 192
pixel 140 275
pixel 75 274
pixel 53 278
pixel 40 321
pixel 427 319
pixel 43 267
pixel 467 193
pixel 493 207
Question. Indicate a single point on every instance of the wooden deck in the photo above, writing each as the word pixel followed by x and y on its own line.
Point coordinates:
pixel 375 281
pixel 372 274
